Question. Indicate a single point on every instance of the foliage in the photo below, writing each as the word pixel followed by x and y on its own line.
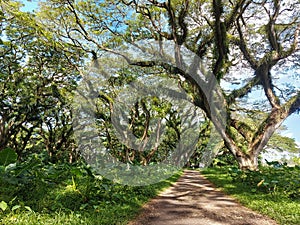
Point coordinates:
pixel 272 179
pixel 224 35
pixel 282 143
pixel 277 196
pixel 42 192
pixel 296 160
pixel 36 84
pixel 7 156
pixel 224 158
pixel 43 54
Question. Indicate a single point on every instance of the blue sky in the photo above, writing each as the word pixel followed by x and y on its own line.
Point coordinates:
pixel 29 5
pixel 292 122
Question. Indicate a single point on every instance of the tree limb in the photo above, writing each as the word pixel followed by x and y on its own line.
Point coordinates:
pixel 241 92
pixel 272 122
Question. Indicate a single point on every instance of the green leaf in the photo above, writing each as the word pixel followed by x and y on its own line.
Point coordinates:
pixel 7 156
pixel 28 208
pixel 15 207
pixel 3 205
pixel 83 206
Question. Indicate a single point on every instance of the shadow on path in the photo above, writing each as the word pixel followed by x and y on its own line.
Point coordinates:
pixel 193 200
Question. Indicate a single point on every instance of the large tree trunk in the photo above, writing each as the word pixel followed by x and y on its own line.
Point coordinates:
pixel 246 161
pixel 259 139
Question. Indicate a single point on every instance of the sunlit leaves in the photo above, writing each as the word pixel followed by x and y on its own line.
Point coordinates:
pixel 36 81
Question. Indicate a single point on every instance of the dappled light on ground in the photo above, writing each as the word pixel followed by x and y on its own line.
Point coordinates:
pixel 194 200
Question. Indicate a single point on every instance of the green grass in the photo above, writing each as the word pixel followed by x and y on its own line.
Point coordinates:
pixel 71 196
pixel 273 202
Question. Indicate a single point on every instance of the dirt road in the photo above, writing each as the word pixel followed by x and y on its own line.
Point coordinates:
pixel 193 200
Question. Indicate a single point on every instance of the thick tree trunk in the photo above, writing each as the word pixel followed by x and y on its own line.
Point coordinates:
pixel 247 162
pixel 249 159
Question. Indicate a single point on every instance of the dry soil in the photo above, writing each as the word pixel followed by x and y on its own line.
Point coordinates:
pixel 193 200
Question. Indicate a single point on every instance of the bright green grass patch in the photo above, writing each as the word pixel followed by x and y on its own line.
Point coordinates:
pixel 69 194
pixel 276 204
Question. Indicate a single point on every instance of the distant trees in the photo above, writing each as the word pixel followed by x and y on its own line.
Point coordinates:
pixel 253 42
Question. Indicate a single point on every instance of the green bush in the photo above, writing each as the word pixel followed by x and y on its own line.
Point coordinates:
pixel 275 178
pixel 278 199
pixel 38 190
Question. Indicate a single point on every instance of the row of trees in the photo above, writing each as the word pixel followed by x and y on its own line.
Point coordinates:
pixel 43 54
pixel 36 80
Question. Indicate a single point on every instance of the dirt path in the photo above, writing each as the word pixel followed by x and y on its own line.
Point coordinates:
pixel 192 200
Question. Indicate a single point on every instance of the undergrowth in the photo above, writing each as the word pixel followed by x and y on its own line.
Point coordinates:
pixel 35 192
pixel 273 190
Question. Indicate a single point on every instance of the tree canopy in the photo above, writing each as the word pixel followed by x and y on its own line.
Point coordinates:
pixel 245 46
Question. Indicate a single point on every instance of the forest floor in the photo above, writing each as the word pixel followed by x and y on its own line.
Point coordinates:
pixel 193 200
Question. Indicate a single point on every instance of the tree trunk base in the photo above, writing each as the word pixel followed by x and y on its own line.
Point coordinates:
pixel 248 163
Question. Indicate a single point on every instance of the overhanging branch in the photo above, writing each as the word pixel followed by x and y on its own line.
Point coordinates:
pixel 272 122
pixel 241 92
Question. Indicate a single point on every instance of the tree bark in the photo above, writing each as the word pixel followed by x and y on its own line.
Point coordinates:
pixel 246 161
pixel 249 159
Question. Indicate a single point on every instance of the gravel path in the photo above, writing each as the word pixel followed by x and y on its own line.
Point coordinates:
pixel 193 200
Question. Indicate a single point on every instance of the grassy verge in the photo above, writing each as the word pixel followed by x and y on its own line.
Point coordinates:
pixel 71 196
pixel 260 195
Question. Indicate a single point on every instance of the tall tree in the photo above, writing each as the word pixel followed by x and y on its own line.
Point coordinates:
pixel 36 79
pixel 258 38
